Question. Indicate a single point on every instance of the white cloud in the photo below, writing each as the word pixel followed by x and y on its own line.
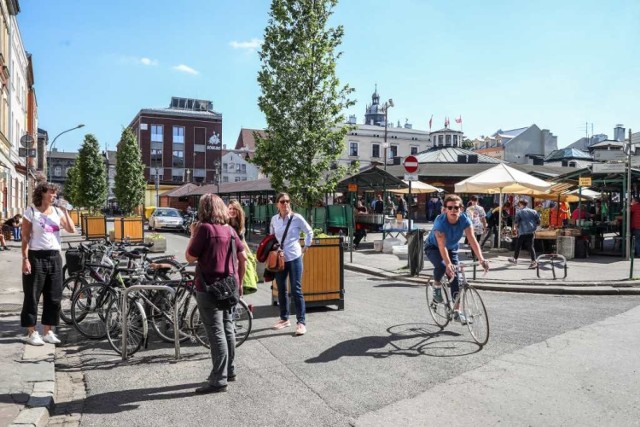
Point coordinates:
pixel 148 61
pixel 250 45
pixel 186 69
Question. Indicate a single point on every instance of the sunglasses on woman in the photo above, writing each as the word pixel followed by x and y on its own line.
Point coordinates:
pixel 282 202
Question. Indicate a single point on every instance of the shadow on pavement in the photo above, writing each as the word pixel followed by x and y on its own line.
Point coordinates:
pixel 409 340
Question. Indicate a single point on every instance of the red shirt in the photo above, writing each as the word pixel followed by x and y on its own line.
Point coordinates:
pixel 635 216
pixel 211 245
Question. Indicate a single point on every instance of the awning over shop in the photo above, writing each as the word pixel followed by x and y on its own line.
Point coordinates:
pixel 372 178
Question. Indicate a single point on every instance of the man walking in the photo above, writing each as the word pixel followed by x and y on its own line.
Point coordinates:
pixel 478 217
pixel 526 222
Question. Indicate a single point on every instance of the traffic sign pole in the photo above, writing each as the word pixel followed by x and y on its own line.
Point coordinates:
pixel 411 165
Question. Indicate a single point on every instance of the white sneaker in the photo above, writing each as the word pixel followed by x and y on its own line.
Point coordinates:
pixel 34 339
pixel 51 338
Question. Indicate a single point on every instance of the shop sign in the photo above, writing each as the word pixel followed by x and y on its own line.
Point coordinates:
pixel 584 182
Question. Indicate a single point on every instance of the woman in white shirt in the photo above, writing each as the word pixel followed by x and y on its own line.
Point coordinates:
pixel 293 254
pixel 42 263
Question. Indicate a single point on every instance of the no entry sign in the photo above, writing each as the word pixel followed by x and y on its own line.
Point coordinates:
pixel 410 164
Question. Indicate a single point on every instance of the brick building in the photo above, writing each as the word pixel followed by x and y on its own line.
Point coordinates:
pixel 179 144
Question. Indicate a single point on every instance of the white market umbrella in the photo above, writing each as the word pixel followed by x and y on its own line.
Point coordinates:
pixel 417 187
pixel 502 179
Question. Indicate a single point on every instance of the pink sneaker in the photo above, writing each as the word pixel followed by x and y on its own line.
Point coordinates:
pixel 281 325
pixel 301 329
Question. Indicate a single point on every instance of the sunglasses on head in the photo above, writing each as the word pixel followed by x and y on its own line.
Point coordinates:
pixel 457 208
pixel 284 201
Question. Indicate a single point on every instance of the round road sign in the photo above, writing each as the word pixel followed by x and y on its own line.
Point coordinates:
pixel 410 164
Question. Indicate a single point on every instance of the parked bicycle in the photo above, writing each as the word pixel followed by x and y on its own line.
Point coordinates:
pixel 468 306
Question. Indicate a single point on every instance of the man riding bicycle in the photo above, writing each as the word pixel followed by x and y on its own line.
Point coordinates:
pixel 441 246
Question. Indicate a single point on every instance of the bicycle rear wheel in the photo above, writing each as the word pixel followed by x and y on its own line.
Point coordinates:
pixel 137 328
pixel 439 310
pixel 89 309
pixel 243 321
pixel 476 315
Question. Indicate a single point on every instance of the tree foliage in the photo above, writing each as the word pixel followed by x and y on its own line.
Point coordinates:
pixel 92 176
pixel 302 99
pixel 71 186
pixel 466 143
pixel 129 180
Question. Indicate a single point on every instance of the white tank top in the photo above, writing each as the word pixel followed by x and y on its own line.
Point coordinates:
pixel 45 229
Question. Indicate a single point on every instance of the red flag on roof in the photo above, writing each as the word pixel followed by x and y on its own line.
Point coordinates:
pixel 459 119
pixel 430 121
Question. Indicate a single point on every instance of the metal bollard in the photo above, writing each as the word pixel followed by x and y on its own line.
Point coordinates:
pixel 125 317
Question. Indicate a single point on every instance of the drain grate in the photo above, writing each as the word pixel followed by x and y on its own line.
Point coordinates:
pixel 10 308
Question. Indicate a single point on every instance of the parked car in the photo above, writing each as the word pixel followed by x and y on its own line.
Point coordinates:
pixel 165 218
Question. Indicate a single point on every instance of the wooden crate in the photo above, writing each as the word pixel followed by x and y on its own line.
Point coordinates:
pixel 323 274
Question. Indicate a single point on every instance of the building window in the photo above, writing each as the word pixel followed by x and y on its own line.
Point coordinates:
pixel 178 134
pixel 353 149
pixel 57 171
pixel 243 168
pixel 232 167
pixel 156 133
pixel 156 157
pixel 178 158
pixel 440 140
pixel 375 150
pixel 414 149
pixel 448 143
pixel 393 151
pixel 238 179
pixel 225 179
pixel 455 140
pixel 225 167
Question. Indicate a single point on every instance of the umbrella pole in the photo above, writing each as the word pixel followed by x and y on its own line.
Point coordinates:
pixel 500 219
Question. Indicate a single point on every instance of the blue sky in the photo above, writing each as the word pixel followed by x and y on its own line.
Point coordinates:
pixel 498 64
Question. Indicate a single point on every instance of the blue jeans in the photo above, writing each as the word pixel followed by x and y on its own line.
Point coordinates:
pixel 636 234
pixel 222 338
pixel 439 269
pixel 17 234
pixel 293 269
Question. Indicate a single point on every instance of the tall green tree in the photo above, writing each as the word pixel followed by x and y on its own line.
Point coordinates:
pixel 129 179
pixel 302 99
pixel 92 175
pixel 71 186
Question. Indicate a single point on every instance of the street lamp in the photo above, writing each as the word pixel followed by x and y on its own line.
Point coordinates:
pixel 218 174
pixel 53 143
pixel 386 107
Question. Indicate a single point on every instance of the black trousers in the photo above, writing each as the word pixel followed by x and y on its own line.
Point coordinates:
pixel 526 241
pixel 45 280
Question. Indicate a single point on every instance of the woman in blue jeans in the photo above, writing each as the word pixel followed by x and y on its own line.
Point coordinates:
pixel 441 246
pixel 292 223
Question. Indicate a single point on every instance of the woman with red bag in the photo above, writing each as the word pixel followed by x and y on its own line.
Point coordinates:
pixel 287 225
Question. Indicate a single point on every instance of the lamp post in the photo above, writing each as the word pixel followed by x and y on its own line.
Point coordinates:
pixel 53 143
pixel 218 174
pixel 386 107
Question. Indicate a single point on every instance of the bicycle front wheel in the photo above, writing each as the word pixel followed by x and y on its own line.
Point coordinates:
pixel 69 288
pixel 137 328
pixel 439 310
pixel 89 309
pixel 476 315
pixel 162 314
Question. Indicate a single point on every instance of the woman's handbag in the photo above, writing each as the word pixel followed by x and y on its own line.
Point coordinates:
pixel 225 289
pixel 275 258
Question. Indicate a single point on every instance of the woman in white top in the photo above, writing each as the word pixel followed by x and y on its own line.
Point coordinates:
pixel 42 263
pixel 292 261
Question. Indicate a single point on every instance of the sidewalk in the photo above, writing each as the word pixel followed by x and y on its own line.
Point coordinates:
pixel 593 275
pixel 28 374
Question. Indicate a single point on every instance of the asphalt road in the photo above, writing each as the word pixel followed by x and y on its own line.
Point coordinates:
pixel 380 352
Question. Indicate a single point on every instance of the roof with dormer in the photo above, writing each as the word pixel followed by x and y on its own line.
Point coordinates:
pixel 568 153
pixel 450 155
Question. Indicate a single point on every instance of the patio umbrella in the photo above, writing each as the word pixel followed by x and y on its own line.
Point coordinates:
pixel 502 179
pixel 417 187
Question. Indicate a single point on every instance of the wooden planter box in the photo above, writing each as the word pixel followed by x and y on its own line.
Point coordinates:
pixel 322 276
pixel 159 245
pixel 131 228
pixel 75 216
pixel 94 227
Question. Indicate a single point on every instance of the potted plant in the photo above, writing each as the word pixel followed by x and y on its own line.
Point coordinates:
pixel 158 240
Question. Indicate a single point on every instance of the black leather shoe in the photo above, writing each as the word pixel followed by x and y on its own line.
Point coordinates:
pixel 206 389
pixel 231 378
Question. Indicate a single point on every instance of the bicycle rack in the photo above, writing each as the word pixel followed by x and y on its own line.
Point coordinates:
pixel 125 317
pixel 552 259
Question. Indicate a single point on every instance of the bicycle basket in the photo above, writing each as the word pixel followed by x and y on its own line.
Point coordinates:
pixel 75 260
